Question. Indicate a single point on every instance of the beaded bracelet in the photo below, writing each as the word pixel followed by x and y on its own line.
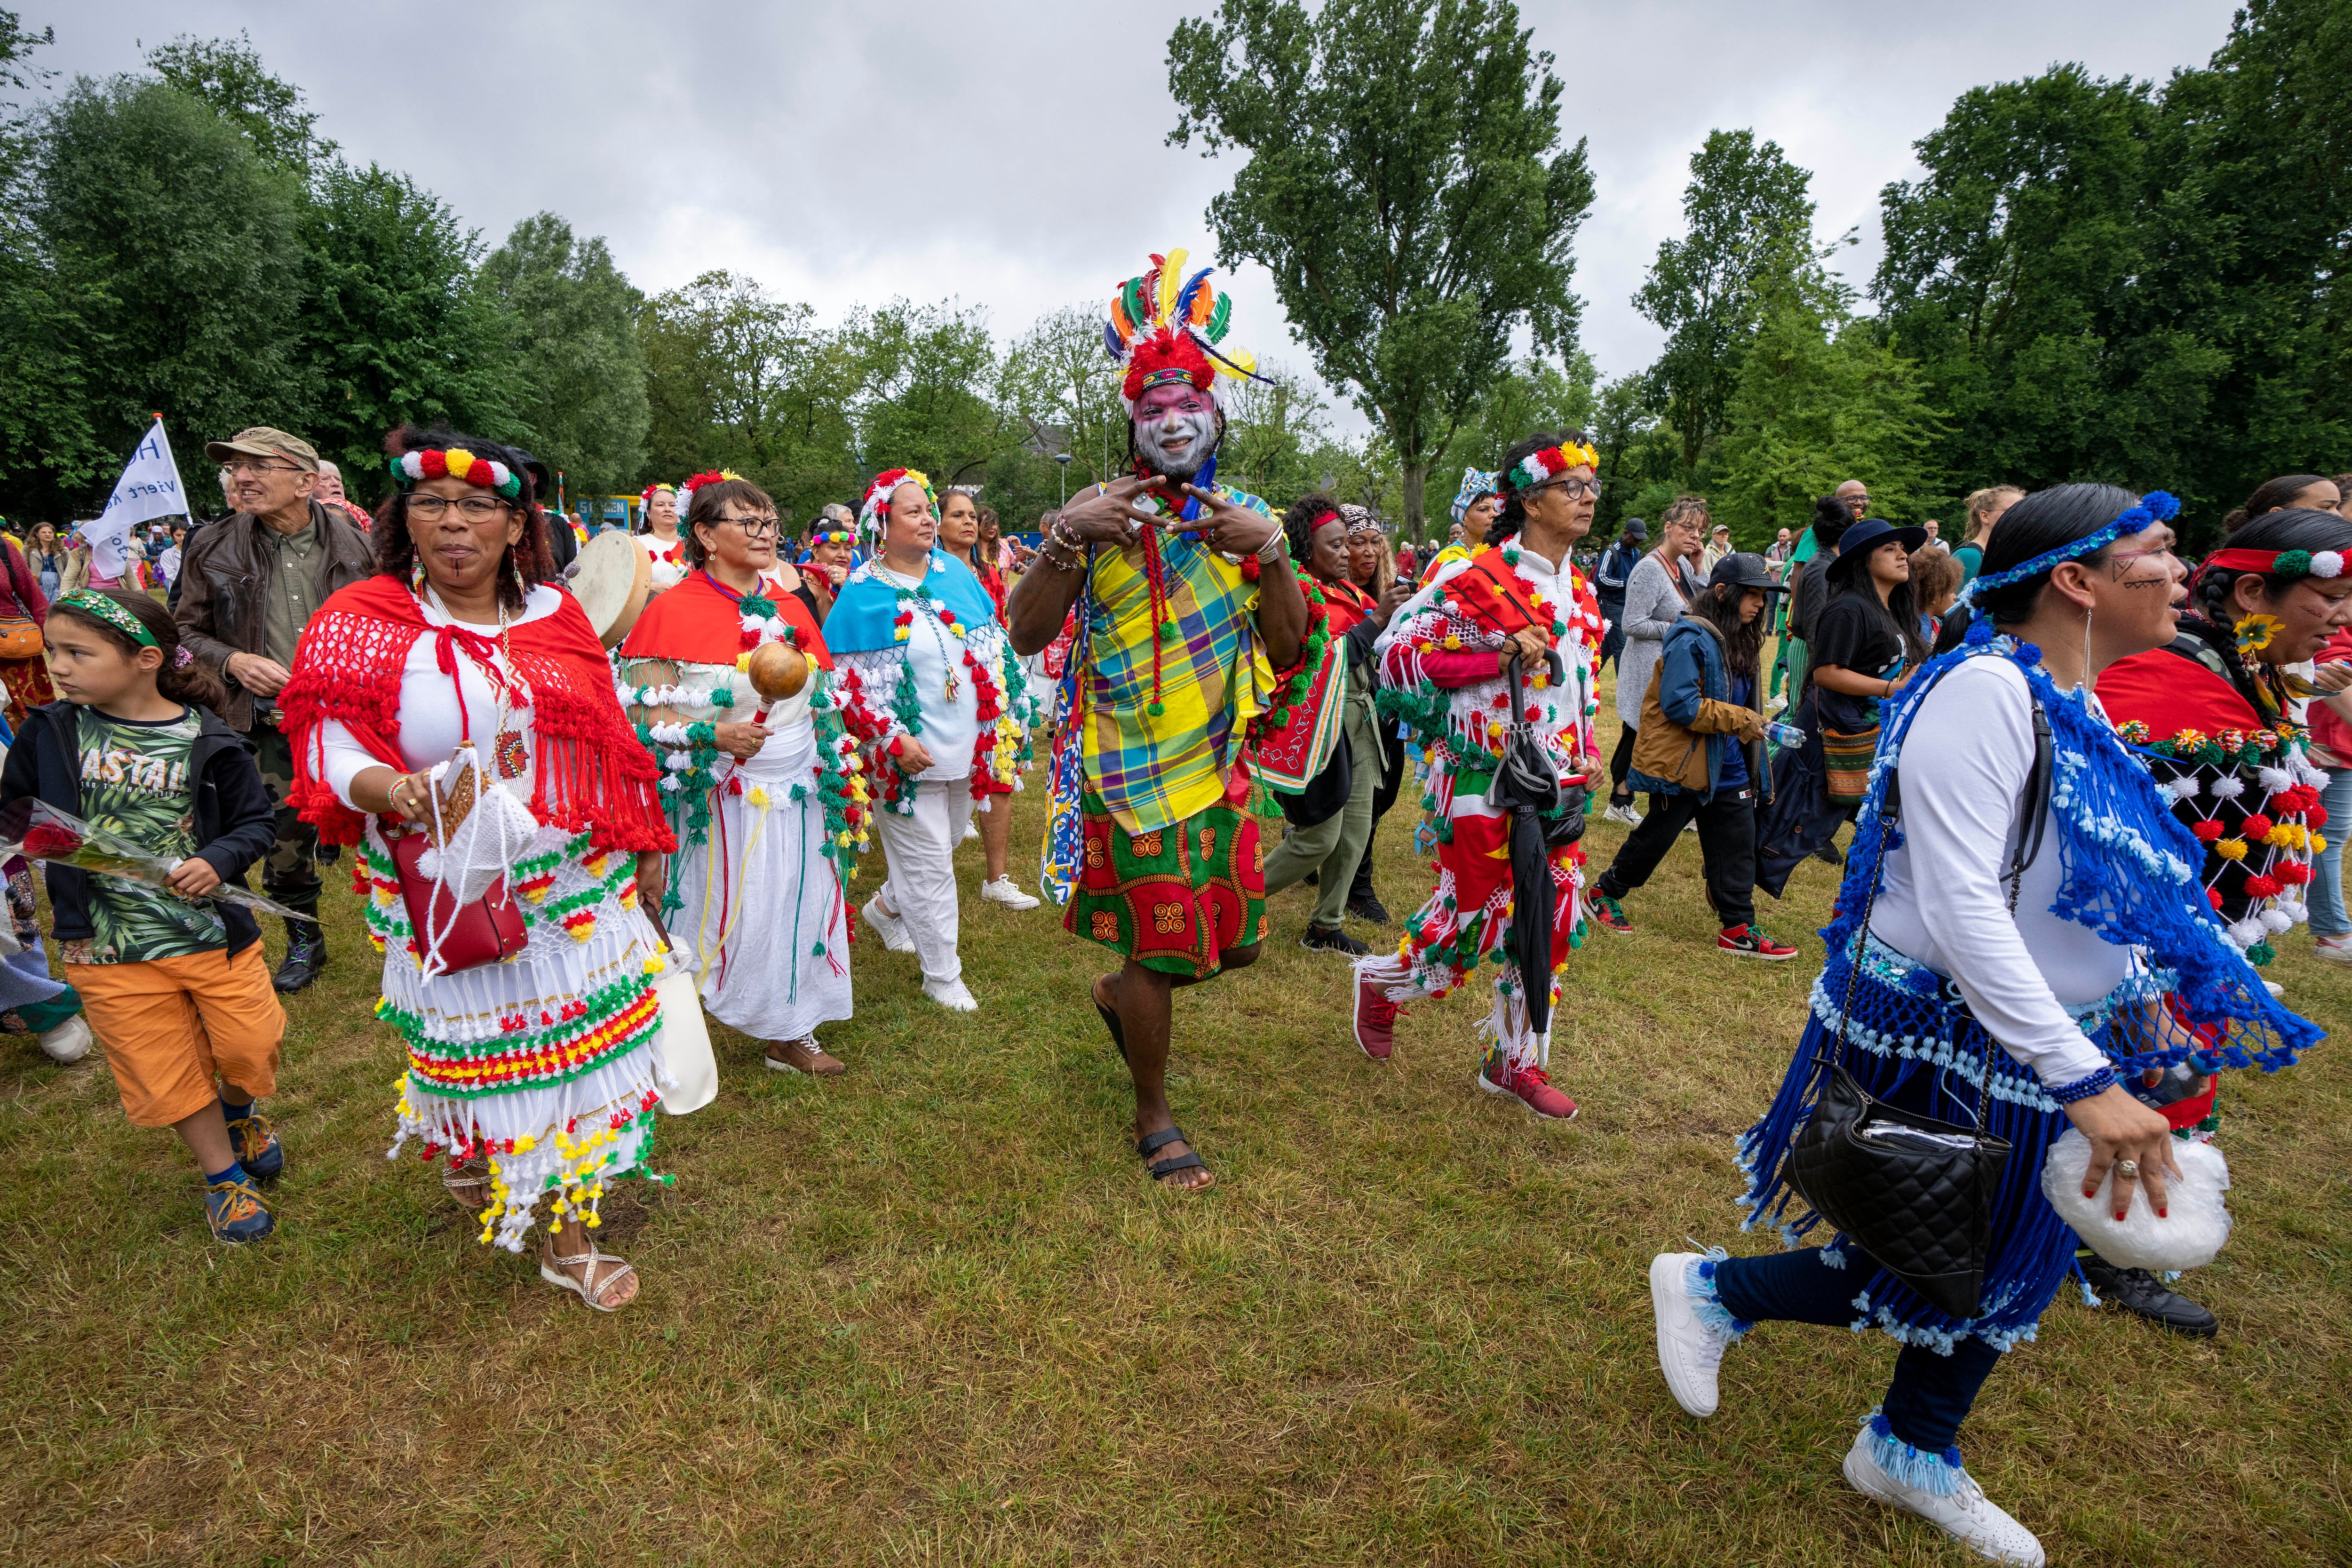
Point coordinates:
pixel 2097 1083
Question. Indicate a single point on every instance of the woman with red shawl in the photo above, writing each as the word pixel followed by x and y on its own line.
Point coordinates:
pixel 23 608
pixel 458 691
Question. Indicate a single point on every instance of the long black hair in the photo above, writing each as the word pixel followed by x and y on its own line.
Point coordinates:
pixel 2288 528
pixel 187 683
pixel 1743 642
pixel 2036 525
pixel 1512 515
pixel 395 552
pixel 1900 608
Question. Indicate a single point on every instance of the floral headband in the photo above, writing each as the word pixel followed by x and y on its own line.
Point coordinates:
pixel 877 497
pixel 646 499
pixel 456 463
pixel 95 604
pixel 2157 505
pixel 1549 464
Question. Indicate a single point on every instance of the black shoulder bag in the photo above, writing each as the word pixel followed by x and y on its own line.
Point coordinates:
pixel 1913 1192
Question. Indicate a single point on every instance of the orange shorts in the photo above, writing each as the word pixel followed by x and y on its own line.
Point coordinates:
pixel 169 1025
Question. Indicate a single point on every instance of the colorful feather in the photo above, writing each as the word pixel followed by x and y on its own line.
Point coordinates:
pixel 1115 343
pixel 1192 301
pixel 1121 322
pixel 1131 297
pixel 1147 295
pixel 1219 319
pixel 1170 270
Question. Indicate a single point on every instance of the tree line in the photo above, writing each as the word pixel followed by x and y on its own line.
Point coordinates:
pixel 2093 278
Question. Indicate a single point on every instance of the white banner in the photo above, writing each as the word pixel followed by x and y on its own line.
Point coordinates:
pixel 149 488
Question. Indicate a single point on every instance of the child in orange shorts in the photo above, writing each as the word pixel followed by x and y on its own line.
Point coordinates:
pixel 174 986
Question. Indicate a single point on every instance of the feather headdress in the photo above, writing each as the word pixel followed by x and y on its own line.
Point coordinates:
pixel 1167 327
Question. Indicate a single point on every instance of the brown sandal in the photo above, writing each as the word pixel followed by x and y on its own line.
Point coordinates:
pixel 473 1177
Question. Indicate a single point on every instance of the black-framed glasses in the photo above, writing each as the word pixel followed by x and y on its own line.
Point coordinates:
pixel 1574 487
pixel 473 509
pixel 754 527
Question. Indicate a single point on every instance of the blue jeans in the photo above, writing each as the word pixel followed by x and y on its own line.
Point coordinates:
pixel 2327 916
pixel 1930 1394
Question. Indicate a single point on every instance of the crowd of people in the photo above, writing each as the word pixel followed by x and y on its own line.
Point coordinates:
pixel 2113 770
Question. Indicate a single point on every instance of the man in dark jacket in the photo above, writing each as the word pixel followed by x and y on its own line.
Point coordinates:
pixel 1608 579
pixel 249 584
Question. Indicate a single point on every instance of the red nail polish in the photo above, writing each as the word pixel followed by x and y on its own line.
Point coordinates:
pixel 2164 1214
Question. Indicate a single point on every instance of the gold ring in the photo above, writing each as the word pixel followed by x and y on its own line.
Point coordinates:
pixel 2127 1168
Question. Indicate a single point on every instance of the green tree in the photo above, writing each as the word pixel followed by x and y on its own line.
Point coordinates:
pixel 228 75
pixel 738 380
pixel 1821 399
pixel 182 249
pixel 1750 222
pixel 572 318
pixel 1534 394
pixel 1274 429
pixel 1064 390
pixel 924 394
pixel 390 329
pixel 1405 186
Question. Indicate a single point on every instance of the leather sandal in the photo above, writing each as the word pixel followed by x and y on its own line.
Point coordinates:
pixel 474 1175
pixel 1161 1169
pixel 591 1288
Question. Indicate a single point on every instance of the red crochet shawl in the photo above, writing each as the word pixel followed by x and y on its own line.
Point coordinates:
pixel 592 773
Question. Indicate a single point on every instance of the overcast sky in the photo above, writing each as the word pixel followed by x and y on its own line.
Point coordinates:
pixel 1013 154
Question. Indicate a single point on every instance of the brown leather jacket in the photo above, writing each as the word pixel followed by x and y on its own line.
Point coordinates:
pixel 224 574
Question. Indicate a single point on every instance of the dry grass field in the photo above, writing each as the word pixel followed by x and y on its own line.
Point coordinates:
pixel 933 1313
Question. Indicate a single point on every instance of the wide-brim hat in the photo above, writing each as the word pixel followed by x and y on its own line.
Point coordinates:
pixel 1867 536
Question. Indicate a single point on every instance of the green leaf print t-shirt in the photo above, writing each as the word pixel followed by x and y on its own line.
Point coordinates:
pixel 135 783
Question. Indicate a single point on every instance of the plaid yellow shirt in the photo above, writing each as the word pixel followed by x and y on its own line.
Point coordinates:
pixel 1215 678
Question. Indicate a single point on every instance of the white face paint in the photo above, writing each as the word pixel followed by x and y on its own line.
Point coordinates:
pixel 1176 442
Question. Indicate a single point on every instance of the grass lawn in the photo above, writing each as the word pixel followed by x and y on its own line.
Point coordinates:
pixel 933 1312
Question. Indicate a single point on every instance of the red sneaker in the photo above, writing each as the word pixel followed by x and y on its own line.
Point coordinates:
pixel 1531 1085
pixel 1749 942
pixel 1376 1018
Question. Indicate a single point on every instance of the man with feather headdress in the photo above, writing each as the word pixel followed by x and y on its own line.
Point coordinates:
pixel 1188 626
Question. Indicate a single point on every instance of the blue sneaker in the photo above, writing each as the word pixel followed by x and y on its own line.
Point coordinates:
pixel 256 1146
pixel 236 1212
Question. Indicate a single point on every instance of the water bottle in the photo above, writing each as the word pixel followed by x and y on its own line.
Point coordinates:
pixel 1788 737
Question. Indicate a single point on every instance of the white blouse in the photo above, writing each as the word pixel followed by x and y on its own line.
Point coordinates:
pixel 429 725
pixel 1964 762
pixel 951 727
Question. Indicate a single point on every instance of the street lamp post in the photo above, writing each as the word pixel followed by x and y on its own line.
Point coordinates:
pixel 1062 461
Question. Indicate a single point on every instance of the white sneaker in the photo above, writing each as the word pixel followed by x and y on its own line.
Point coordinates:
pixel 1967 1516
pixel 1689 1353
pixel 893 930
pixel 1624 814
pixel 2273 987
pixel 2334 949
pixel 1006 891
pixel 953 996
pixel 68 1042
pixel 971 832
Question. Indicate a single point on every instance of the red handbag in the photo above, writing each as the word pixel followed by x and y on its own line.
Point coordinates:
pixel 488 930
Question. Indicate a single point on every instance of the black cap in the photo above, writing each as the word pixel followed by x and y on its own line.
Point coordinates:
pixel 1636 529
pixel 1743 570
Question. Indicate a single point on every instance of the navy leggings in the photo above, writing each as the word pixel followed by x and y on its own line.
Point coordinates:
pixel 1931 1393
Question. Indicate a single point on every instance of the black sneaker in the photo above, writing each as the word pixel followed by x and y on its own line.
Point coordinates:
pixel 2138 1291
pixel 1318 940
pixel 1370 910
pixel 1830 854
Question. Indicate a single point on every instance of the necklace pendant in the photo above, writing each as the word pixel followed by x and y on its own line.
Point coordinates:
pixel 508 756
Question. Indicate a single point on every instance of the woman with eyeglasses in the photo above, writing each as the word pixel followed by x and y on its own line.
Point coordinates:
pixel 933 687
pixel 769 804
pixel 459 695
pixel 1664 584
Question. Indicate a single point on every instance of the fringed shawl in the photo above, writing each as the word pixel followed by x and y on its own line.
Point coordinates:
pixel 590 775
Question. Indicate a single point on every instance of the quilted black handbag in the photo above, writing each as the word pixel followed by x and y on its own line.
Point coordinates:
pixel 1913 1192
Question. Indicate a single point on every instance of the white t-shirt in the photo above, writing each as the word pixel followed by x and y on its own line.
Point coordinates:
pixel 1964 762
pixel 951 727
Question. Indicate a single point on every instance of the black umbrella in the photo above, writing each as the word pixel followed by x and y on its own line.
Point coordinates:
pixel 1545 814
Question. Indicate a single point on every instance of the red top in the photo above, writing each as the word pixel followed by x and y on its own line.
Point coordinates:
pixel 593 775
pixel 2326 729
pixel 2169 694
pixel 697 622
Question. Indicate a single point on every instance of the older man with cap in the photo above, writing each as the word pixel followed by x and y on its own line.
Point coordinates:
pixel 249 583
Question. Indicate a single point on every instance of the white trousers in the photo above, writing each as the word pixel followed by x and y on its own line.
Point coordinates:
pixel 921 887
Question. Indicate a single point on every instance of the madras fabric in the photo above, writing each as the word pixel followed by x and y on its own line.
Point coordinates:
pixel 1174 898
pixel 1214 677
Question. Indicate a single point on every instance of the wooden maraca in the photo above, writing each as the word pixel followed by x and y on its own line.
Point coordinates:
pixel 778 671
